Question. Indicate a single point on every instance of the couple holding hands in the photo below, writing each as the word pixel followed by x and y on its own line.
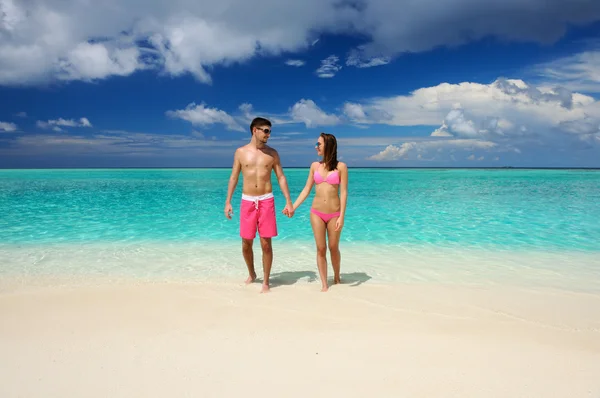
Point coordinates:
pixel 256 161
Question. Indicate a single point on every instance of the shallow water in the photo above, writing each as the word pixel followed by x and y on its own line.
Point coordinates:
pixel 521 227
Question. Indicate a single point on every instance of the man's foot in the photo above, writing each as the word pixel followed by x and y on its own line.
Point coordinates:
pixel 324 288
pixel 337 280
pixel 265 289
pixel 251 278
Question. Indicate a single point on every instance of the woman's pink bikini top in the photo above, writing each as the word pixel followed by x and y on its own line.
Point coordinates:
pixel 333 178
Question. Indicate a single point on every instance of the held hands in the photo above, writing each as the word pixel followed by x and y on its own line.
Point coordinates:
pixel 288 210
pixel 228 210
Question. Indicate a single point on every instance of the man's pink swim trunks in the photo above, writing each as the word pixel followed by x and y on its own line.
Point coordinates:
pixel 258 212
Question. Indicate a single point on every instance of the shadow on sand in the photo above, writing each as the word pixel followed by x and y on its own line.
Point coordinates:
pixel 287 278
pixel 354 278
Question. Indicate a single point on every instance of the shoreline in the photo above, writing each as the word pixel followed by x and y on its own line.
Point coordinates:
pixel 227 339
pixel 362 263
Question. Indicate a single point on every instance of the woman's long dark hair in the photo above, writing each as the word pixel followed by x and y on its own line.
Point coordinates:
pixel 330 151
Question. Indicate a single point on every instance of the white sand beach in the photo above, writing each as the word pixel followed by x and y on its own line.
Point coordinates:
pixel 359 339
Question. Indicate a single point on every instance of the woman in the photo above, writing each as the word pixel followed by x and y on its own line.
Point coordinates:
pixel 329 205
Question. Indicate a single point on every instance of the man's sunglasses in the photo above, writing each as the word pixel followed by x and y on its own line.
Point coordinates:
pixel 265 130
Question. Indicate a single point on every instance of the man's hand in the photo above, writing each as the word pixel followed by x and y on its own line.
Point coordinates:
pixel 289 210
pixel 339 224
pixel 228 210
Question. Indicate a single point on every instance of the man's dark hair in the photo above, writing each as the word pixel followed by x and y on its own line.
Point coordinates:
pixel 259 122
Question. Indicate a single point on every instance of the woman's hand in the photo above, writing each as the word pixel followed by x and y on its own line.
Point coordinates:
pixel 289 210
pixel 339 224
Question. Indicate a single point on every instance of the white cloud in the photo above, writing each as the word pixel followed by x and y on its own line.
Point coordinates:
pixel 200 115
pixel 355 112
pixel 11 15
pixel 247 112
pixel 578 72
pixel 510 114
pixel 291 133
pixel 504 107
pixel 394 152
pixel 358 59
pixel 295 62
pixel 190 44
pixel 442 131
pixel 307 112
pixel 56 124
pixel 456 124
pixel 472 157
pixel 291 136
pixel 97 61
pixel 197 134
pixel 195 146
pixel 72 40
pixel 116 142
pixel 7 127
pixel 329 67
pixel 47 40
pixel 376 61
pixel 406 26
pixel 584 126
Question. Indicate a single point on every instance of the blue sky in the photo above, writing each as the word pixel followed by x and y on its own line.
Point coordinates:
pixel 455 83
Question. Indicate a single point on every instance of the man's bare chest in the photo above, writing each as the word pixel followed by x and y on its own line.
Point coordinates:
pixel 258 161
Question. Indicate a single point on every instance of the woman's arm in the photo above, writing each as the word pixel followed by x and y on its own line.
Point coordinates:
pixel 306 191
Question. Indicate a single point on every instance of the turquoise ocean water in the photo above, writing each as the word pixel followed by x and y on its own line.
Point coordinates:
pixel 461 210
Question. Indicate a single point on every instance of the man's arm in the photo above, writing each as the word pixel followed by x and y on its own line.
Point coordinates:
pixel 307 187
pixel 282 182
pixel 233 180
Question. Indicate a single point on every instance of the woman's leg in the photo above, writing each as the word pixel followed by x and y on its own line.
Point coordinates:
pixel 319 228
pixel 334 248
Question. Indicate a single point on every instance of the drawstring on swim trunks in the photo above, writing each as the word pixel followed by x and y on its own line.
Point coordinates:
pixel 257 199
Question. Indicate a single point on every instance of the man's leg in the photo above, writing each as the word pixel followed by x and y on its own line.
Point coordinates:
pixel 267 259
pixel 249 258
pixel 267 229
pixel 248 219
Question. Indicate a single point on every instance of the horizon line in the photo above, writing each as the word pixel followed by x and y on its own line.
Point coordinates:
pixel 306 167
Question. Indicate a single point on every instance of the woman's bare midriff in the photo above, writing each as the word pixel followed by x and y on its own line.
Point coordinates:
pixel 326 198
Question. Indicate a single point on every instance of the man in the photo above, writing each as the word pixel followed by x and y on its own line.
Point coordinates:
pixel 256 161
